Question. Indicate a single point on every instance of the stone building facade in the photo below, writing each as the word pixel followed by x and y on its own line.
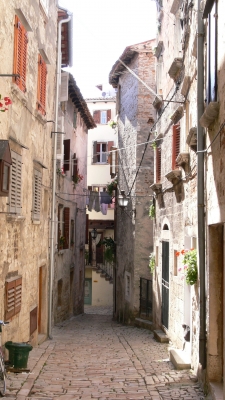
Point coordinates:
pixel 69 258
pixel 176 304
pixel 28 49
pixel 136 115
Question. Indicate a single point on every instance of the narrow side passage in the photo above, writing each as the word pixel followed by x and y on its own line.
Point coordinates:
pixel 93 357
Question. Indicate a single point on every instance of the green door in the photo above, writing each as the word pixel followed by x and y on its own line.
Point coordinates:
pixel 87 291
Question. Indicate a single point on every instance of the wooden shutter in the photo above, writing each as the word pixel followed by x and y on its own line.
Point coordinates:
pixel 13 297
pixel 94 158
pixel 75 165
pixel 37 194
pixel 41 92
pixel 96 116
pixel 60 150
pixel 66 217
pixel 20 54
pixel 59 224
pixel 64 86
pixel 66 164
pixel 15 189
pixel 87 227
pixel 158 164
pixel 109 160
pixel 176 145
pixel 33 320
pixel 108 115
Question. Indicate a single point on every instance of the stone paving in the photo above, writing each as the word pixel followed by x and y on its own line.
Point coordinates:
pixel 92 357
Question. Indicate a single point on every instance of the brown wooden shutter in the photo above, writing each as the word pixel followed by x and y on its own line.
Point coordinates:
pixel 96 116
pixel 59 221
pixel 94 158
pixel 87 227
pixel 20 54
pixel 109 160
pixel 75 165
pixel 33 320
pixel 66 165
pixel 66 215
pixel 176 145
pixel 158 164
pixel 13 297
pixel 108 115
pixel 41 92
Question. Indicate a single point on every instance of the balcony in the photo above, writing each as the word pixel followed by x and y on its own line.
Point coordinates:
pixel 210 114
pixel 175 68
pixel 192 139
pixel 174 175
pixel 177 115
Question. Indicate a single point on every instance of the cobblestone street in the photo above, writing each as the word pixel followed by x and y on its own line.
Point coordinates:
pixel 93 357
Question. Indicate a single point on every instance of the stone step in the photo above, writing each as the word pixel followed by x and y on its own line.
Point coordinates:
pixel 180 359
pixel 160 336
pixel 216 390
pixel 143 323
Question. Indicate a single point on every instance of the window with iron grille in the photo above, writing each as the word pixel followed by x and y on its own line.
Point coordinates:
pixel 13 290
pixel 37 195
pixel 176 146
pixel 42 80
pixel 20 54
pixel 15 188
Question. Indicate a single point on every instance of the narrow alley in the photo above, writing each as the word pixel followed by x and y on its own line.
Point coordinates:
pixel 93 357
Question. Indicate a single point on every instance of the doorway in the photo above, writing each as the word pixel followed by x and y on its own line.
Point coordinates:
pixel 165 284
pixel 88 291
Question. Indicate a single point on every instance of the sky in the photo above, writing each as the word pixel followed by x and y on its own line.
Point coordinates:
pixel 102 30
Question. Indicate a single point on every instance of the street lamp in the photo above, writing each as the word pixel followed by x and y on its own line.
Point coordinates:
pixel 123 199
pixel 94 234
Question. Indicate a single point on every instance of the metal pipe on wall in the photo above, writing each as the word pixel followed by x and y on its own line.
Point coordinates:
pixel 200 186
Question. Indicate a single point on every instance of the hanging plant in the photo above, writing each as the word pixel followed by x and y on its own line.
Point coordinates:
pixel 190 270
pixel 111 186
pixel 154 145
pixel 151 264
pixel 4 103
pixel 77 179
pixel 151 212
pixel 112 124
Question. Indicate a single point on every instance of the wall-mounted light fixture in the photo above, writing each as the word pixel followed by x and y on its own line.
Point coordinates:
pixel 123 199
pixel 94 234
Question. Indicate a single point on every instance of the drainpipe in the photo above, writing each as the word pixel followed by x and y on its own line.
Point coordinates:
pixel 200 186
pixel 53 220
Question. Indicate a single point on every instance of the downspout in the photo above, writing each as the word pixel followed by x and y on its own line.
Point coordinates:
pixel 53 221
pixel 200 186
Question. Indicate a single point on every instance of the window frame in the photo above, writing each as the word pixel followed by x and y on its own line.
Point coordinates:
pixel 3 191
pixel 100 153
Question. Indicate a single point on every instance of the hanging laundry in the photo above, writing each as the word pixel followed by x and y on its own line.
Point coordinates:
pixel 94 202
pixel 105 198
pixel 104 208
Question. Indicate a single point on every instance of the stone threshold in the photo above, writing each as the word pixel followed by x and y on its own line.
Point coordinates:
pixel 180 359
pixel 161 336
pixel 143 323
pixel 216 390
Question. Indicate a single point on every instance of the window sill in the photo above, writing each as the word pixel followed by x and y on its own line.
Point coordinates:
pixel 19 93
pixel 40 117
pixel 183 159
pixel 15 218
pixel 35 222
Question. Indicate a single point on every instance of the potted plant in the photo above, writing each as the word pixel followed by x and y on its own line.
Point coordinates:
pixel 110 249
pixel 190 270
pixel 112 124
pixel 4 103
pixel 111 186
pixel 77 179
pixel 62 240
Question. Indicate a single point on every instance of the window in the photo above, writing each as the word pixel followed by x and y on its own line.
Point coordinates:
pixel 158 164
pixel 102 116
pixel 15 189
pixel 63 227
pixel 212 56
pixel 66 165
pixel 13 288
pixel 176 146
pixel 5 162
pixel 41 91
pixel 100 152
pixel 37 194
pixel 20 54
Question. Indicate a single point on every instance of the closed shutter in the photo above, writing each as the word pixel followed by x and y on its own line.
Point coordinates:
pixel 87 227
pixel 13 297
pixel 20 54
pixel 96 116
pixel 109 160
pixel 59 224
pixel 108 115
pixel 66 165
pixel 158 165
pixel 66 215
pixel 37 194
pixel 15 189
pixel 176 145
pixel 75 165
pixel 212 56
pixel 64 86
pixel 94 158
pixel 41 93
